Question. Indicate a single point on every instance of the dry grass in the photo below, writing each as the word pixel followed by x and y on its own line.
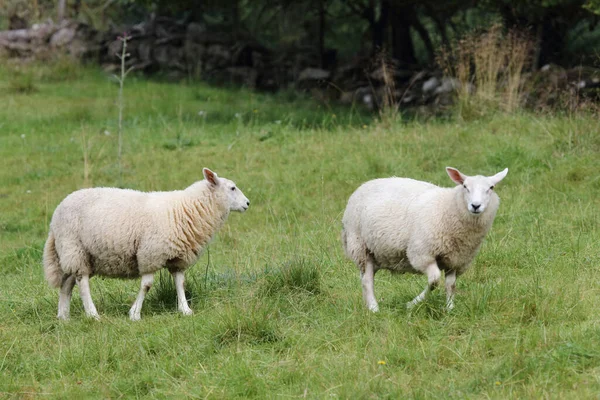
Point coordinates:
pixel 389 112
pixel 489 66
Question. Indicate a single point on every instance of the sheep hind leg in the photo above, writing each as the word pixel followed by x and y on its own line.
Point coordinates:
pixel 83 282
pixel 64 299
pixel 367 279
pixel 433 277
pixel 182 304
pixel 135 313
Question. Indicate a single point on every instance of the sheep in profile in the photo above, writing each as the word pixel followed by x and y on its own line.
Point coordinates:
pixel 123 233
pixel 405 225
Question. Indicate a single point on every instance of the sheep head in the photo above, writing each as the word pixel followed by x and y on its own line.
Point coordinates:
pixel 477 191
pixel 227 189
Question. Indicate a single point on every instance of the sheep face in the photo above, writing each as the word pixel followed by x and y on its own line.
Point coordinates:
pixel 228 189
pixel 237 200
pixel 477 191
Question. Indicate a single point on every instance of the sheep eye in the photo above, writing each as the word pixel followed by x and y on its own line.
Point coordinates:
pixel 233 188
pixel 465 186
pixel 492 187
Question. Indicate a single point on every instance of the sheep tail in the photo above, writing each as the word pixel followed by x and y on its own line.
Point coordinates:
pixel 52 269
pixel 344 239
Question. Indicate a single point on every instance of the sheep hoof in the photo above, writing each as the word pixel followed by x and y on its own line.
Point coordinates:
pixel 135 316
pixel 95 317
pixel 187 311
pixel 63 317
pixel 373 308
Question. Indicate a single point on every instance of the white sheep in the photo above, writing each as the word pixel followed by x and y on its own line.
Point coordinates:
pixel 125 233
pixel 405 225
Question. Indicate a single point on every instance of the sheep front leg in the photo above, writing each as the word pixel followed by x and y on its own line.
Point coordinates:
pixel 135 313
pixel 182 304
pixel 83 281
pixel 433 277
pixel 367 279
pixel 450 288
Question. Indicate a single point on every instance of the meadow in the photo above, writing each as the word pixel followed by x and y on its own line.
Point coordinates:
pixel 278 307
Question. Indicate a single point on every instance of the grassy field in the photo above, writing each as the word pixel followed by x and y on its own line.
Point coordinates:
pixel 278 308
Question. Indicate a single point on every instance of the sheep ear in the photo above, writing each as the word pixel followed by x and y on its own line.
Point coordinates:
pixel 210 176
pixel 456 175
pixel 499 176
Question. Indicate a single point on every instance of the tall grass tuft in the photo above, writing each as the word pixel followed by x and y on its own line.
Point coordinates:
pixel 91 153
pixel 297 275
pixel 163 296
pixel 87 167
pixel 27 76
pixel 23 82
pixel 251 325
pixel 389 108
pixel 489 67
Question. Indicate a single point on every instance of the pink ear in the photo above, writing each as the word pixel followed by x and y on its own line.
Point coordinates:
pixel 455 175
pixel 210 176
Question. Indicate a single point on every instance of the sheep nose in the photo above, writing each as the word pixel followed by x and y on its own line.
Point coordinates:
pixel 475 206
pixel 248 203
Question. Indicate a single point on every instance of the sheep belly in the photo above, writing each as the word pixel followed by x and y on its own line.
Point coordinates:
pixel 395 262
pixel 115 266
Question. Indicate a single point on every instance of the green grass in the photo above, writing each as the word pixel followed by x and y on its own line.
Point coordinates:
pixel 278 308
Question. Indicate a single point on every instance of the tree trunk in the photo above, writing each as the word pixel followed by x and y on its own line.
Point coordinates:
pixel 322 32
pixel 422 31
pixel 401 19
pixel 235 19
pixel 61 9
pixel 538 47
pixel 550 34
pixel 551 41
pixel 77 7
pixel 379 26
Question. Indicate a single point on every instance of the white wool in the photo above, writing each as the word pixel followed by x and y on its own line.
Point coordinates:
pixel 125 233
pixel 405 225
